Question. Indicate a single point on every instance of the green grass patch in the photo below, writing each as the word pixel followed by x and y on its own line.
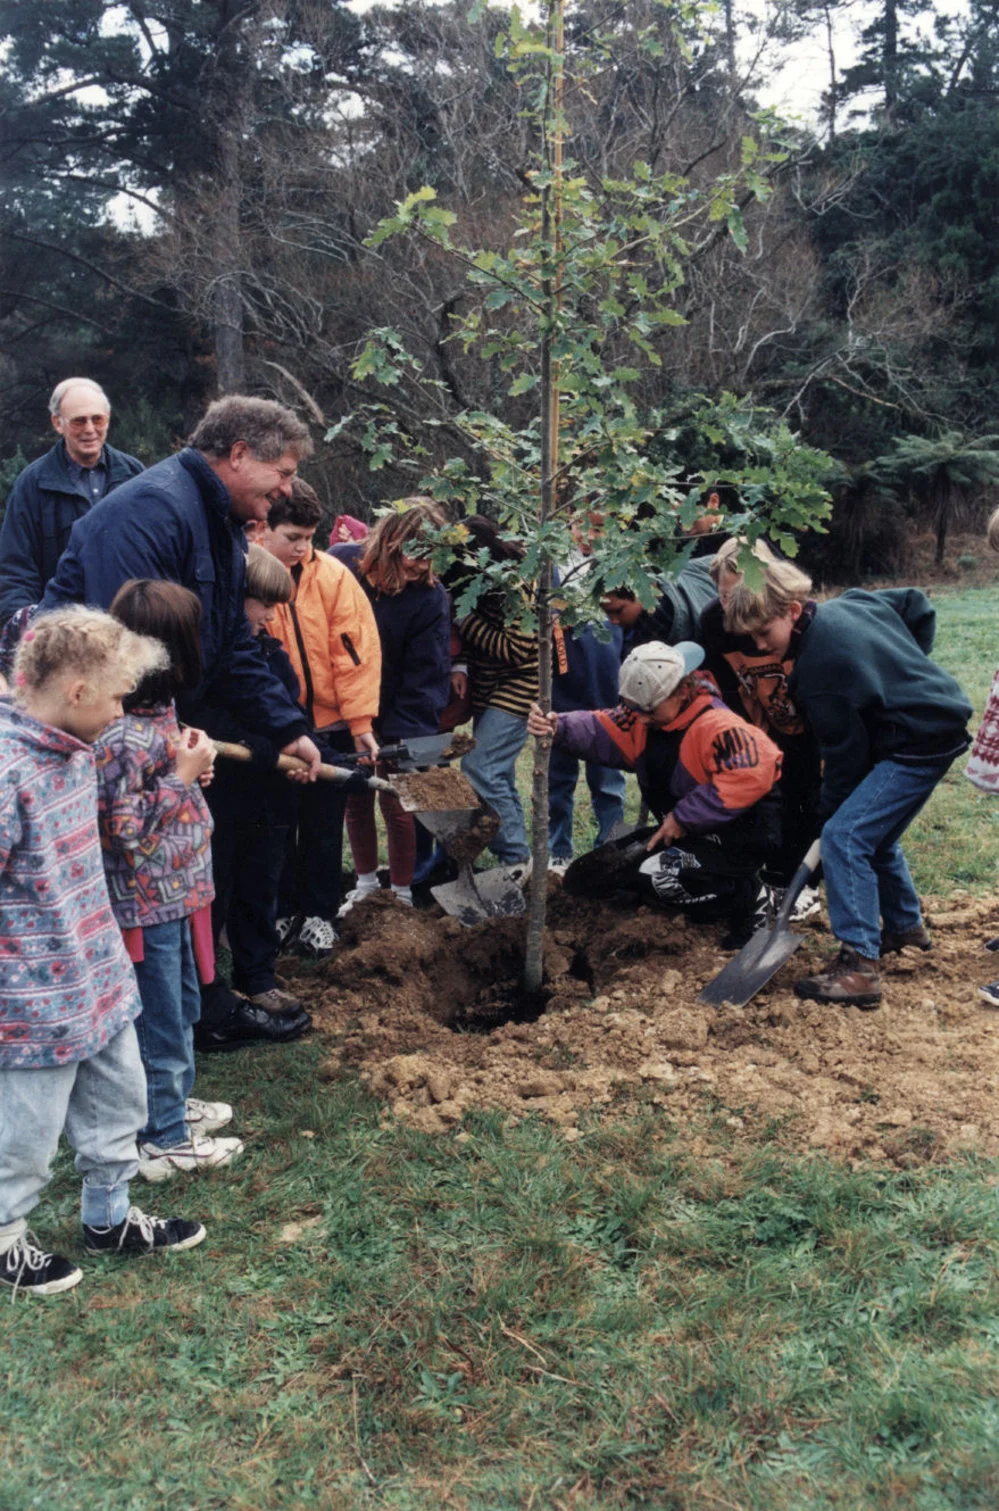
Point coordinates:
pixel 499 1319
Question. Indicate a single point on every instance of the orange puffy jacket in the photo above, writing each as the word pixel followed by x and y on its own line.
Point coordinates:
pixel 331 638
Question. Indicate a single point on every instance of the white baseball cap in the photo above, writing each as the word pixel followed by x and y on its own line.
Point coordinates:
pixel 653 672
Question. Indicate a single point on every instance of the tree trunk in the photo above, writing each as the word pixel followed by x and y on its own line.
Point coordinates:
pixel 551 232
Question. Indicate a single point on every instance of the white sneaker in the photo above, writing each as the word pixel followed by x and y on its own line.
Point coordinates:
pixel 808 904
pixel 403 895
pixel 316 938
pixel 206 1117
pixel 354 896
pixel 558 865
pixel 158 1164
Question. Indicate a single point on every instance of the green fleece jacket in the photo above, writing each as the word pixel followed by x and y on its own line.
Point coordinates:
pixel 865 684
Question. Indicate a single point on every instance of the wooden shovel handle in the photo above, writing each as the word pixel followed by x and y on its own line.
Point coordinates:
pixel 287 763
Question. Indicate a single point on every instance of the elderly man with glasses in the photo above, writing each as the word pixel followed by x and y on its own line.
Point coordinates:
pixel 52 493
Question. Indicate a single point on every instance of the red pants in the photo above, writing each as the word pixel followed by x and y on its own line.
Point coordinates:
pixel 363 835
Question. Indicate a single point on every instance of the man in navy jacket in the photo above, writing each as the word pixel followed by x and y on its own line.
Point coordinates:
pixel 52 493
pixel 182 521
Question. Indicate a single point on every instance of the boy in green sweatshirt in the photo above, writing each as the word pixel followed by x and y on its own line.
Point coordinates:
pixel 888 722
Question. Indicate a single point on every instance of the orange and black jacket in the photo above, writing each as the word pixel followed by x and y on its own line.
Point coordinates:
pixel 710 768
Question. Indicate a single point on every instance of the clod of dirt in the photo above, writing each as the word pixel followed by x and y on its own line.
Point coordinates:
pixel 622 1029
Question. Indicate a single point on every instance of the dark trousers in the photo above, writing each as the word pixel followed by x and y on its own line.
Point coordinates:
pixel 247 860
pixel 311 878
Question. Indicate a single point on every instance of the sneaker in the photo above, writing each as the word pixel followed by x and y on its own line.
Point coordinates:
pixel 282 1004
pixel 356 895
pixel 558 865
pixel 767 906
pixel 990 993
pixel 25 1267
pixel 287 928
pixel 139 1234
pixel 918 939
pixel 850 980
pixel 808 904
pixel 206 1117
pixel 158 1164
pixel 316 938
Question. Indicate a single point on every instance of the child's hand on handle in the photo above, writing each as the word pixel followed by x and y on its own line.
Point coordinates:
pixel 367 747
pixel 543 726
pixel 195 757
pixel 306 750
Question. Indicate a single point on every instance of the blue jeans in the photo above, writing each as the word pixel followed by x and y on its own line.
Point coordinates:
pixel 171 1005
pixel 492 770
pixel 606 786
pixel 99 1103
pixel 865 870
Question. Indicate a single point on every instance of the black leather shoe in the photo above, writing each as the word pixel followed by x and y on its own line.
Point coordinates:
pixel 247 1024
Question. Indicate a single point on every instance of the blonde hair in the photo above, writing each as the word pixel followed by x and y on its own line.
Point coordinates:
pixel 725 561
pixel 385 547
pixel 77 642
pixel 746 611
pixel 267 579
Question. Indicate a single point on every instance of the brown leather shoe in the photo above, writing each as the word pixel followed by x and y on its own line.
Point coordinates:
pixel 916 938
pixel 850 980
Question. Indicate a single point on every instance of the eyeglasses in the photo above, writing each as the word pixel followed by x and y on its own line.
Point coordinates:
pixel 81 421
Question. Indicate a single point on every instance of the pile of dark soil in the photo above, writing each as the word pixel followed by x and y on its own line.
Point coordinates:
pixel 431 1014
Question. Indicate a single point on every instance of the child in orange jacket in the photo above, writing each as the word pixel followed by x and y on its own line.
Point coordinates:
pixel 329 633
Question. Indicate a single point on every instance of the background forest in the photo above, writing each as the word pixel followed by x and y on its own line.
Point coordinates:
pixel 188 190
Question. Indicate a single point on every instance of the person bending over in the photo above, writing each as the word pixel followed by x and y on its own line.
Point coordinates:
pixel 888 722
pixel 709 777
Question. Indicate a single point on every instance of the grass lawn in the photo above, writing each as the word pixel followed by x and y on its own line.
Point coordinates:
pixel 498 1318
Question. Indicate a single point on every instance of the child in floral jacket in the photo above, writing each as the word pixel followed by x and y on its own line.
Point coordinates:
pixel 156 832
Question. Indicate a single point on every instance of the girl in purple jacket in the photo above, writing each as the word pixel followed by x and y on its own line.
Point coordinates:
pixel 414 626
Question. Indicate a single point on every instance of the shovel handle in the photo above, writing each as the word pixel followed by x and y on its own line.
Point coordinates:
pixel 287 763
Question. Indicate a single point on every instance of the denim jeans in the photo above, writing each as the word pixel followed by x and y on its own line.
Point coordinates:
pixel 492 770
pixel 606 786
pixel 865 870
pixel 171 1005
pixel 99 1103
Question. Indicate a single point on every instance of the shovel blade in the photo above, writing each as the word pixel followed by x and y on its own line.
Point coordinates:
pixel 750 970
pixel 475 897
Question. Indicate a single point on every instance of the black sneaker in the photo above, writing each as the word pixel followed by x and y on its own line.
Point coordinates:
pixel 139 1234
pixel 25 1267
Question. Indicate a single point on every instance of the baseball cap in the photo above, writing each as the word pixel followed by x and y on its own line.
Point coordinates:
pixel 654 671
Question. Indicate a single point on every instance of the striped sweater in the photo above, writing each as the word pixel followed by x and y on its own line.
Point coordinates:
pixel 502 662
pixel 66 984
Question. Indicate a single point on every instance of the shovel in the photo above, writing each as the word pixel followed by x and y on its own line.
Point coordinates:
pixel 336 774
pixel 750 970
pixel 602 872
pixel 450 808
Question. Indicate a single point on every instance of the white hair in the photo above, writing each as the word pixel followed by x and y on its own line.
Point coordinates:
pixel 62 389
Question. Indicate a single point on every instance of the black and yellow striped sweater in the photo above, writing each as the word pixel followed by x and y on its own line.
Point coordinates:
pixel 502 661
